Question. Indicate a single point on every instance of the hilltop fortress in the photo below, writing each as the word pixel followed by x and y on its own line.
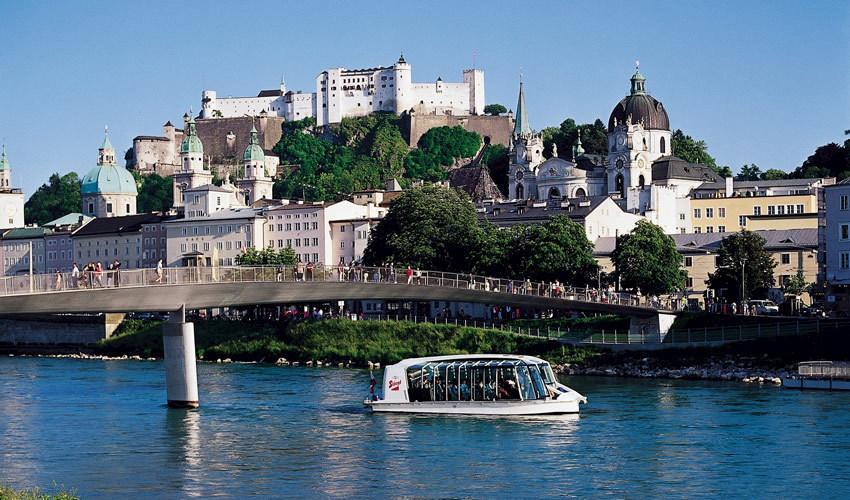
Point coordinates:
pixel 224 122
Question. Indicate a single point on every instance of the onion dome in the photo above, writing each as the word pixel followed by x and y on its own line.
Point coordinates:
pixel 108 176
pixel 639 107
pixel 253 152
pixel 191 143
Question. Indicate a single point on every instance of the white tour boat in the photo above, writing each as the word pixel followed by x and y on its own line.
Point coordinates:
pixel 474 384
pixel 826 375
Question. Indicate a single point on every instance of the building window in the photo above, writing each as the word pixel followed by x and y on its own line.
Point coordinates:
pixel 844 232
pixel 91 208
pixel 663 146
pixel 697 230
pixel 790 209
pixel 721 212
pixel 800 209
pixel 128 208
pixel 845 260
pixel 709 229
pixel 709 213
pixel 785 258
pixel 109 208
pixel 844 201
pixel 742 220
pixel 689 282
pixel 315 242
pixel 689 261
pixel 342 244
pixel 697 213
pixel 756 210
pixel 771 210
pixel 721 229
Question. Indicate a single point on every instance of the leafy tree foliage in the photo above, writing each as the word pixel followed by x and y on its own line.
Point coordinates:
pixel 437 228
pixel 829 160
pixel 495 109
pixel 266 257
pixel 594 138
pixel 156 194
pixel 796 285
pixel 60 196
pixel 742 254
pixel 692 150
pixel 497 161
pixel 773 174
pixel 428 228
pixel 647 260
pixel 440 147
pixel 749 173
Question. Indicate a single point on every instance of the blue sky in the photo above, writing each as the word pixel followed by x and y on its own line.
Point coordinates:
pixel 760 82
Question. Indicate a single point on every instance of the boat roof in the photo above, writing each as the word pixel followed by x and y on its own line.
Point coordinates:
pixel 406 363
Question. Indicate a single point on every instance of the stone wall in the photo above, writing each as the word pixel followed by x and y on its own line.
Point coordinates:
pixel 225 139
pixel 497 128
pixel 52 330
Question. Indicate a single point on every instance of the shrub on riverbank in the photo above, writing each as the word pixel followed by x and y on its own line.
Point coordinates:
pixel 9 493
pixel 336 341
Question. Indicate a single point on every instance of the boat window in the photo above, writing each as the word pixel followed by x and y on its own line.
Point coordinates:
pixel 537 379
pixel 506 383
pixel 477 382
pixel 463 383
pixel 548 375
pixel 525 386
pixel 440 383
pixel 452 383
pixel 420 383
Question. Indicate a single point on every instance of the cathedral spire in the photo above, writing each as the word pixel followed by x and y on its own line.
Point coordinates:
pixel 4 163
pixel 106 153
pixel 521 127
pixel 578 150
pixel 638 81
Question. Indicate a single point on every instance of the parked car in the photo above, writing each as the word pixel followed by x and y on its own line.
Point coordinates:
pixel 764 307
pixel 814 310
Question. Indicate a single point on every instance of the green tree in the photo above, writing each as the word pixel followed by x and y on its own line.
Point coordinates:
pixel 692 150
pixel 497 161
pixel 749 173
pixel 556 250
pixel 594 138
pixel 796 285
pixel 156 194
pixel 647 259
pixel 773 174
pixel 495 109
pixel 389 149
pixel 742 256
pixel 266 257
pixel 829 160
pixel 428 228
pixel 60 196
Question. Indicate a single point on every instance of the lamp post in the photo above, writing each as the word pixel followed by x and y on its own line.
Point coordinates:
pixel 743 281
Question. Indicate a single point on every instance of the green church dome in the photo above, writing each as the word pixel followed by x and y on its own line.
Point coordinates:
pixel 191 143
pixel 253 152
pixel 111 179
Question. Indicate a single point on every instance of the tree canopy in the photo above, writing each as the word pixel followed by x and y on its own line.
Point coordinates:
pixel 428 228
pixel 829 160
pixel 594 138
pixel 495 109
pixel 58 197
pixel 742 254
pixel 266 257
pixel 156 194
pixel 647 260
pixel 692 150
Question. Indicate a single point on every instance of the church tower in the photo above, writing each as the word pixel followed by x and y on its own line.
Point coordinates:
pixel 192 173
pixel 525 155
pixel 108 190
pixel 255 184
pixel 11 199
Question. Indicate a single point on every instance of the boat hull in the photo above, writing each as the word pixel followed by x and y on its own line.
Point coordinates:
pixel 823 384
pixel 550 407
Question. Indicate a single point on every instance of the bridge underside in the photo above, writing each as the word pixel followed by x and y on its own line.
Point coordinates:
pixel 212 295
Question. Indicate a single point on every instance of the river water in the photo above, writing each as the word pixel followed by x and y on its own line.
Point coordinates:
pixel 101 427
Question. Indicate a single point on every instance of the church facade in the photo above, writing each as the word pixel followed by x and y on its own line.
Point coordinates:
pixel 639 170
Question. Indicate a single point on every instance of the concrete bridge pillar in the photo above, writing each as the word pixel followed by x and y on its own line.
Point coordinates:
pixel 181 375
pixel 652 328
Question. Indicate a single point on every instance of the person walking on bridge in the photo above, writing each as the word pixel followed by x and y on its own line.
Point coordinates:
pixel 409 273
pixel 158 272
pixel 98 274
pixel 75 276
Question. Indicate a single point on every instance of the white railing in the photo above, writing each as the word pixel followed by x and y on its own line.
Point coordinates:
pixel 91 280
pixel 824 369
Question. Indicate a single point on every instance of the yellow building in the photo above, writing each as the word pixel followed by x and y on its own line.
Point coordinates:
pixel 718 207
pixel 793 250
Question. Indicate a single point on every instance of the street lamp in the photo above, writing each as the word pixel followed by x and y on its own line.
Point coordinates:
pixel 743 281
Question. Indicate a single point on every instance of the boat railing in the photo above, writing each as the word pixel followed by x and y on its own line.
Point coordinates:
pixel 825 369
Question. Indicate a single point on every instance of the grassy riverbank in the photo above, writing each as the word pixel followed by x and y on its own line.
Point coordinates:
pixel 60 493
pixel 335 341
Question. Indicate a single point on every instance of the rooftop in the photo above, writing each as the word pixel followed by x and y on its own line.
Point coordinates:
pixel 775 239
pixel 109 225
pixel 25 233
pixel 228 214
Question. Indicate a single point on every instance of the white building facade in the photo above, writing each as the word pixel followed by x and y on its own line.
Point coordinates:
pixel 11 199
pixel 837 245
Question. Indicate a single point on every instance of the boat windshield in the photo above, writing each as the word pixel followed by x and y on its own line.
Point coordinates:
pixel 477 380
pixel 548 375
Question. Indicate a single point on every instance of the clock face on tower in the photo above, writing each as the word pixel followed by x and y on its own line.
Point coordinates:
pixel 619 164
pixel 11 210
pixel 621 140
pixel 519 175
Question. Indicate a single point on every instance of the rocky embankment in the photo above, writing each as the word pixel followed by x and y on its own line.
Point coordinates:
pixel 726 369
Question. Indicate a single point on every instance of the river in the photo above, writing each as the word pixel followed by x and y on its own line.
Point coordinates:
pixel 102 428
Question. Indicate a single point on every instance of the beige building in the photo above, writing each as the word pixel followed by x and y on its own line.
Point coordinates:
pixel 792 249
pixel 214 239
pixel 718 207
pixel 108 239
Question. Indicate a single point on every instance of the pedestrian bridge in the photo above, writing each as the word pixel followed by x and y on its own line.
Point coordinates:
pixel 140 290
pixel 178 289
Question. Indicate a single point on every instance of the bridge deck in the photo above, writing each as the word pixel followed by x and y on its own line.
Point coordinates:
pixel 141 290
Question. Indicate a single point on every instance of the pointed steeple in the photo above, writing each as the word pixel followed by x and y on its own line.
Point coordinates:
pixel 521 126
pixel 191 143
pixel 254 152
pixel 578 150
pixel 638 81
pixel 4 163
pixel 106 143
pixel 106 153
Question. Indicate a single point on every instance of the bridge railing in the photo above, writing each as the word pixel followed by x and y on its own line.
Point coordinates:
pixel 90 280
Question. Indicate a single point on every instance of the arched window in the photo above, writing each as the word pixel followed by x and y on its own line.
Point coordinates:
pixel 554 193
pixel 663 146
pixel 620 185
pixel 580 193
pixel 641 181
pixel 520 192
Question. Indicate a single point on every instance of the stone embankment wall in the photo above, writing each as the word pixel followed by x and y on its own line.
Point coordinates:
pixel 497 128
pixel 57 329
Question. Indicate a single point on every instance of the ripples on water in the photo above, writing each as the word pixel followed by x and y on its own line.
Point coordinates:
pixel 102 427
